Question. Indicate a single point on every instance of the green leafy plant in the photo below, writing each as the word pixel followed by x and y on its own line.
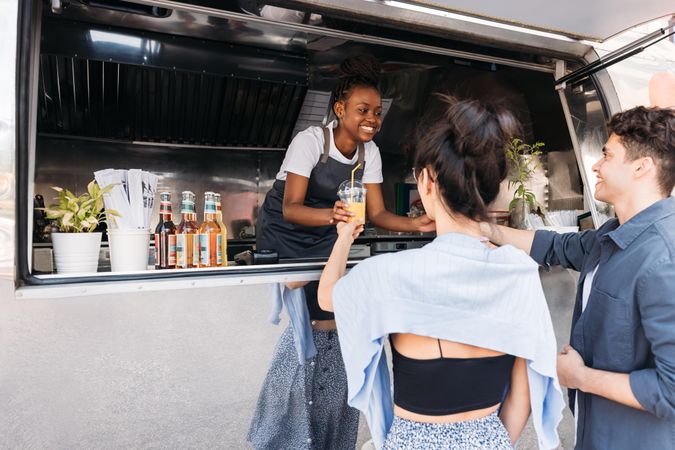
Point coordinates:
pixel 81 214
pixel 522 161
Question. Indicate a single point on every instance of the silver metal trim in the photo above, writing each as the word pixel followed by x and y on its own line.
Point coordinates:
pixel 162 144
pixel 8 63
pixel 439 22
pixel 346 35
pixel 118 287
pixel 588 137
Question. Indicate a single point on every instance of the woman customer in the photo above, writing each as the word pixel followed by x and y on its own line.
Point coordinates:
pixel 472 341
pixel 303 402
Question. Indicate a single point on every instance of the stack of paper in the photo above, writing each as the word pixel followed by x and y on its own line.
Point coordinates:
pixel 132 196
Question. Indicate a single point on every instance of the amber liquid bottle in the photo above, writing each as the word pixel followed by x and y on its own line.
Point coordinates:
pixel 209 235
pixel 165 235
pixel 187 234
pixel 223 230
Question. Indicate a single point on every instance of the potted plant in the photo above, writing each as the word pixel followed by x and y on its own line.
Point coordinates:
pixel 523 162
pixel 76 245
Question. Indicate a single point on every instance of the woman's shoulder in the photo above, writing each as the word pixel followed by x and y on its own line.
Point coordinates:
pixel 508 254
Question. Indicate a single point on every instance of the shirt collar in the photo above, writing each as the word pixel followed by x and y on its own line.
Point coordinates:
pixel 460 239
pixel 626 233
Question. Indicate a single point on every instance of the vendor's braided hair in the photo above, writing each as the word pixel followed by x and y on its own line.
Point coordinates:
pixel 362 70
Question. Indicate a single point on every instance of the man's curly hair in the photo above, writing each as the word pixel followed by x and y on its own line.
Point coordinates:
pixel 649 132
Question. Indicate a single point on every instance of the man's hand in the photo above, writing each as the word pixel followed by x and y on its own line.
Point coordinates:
pixel 571 368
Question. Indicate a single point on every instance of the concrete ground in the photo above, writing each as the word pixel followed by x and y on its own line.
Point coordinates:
pixel 178 369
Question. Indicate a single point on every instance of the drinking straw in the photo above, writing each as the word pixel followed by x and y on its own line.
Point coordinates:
pixel 354 170
pixel 351 193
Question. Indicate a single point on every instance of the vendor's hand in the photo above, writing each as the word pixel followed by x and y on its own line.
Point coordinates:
pixel 571 368
pixel 352 229
pixel 341 212
pixel 424 223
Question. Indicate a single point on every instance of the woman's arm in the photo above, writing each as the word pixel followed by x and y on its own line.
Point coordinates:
pixel 382 218
pixel 295 211
pixel 516 408
pixel 337 263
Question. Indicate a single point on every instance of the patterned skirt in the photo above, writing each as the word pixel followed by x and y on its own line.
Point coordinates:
pixel 486 433
pixel 305 406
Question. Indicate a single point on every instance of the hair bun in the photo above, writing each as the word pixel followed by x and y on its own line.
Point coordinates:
pixel 365 67
pixel 496 126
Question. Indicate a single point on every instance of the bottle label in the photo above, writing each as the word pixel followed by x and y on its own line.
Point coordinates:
pixel 171 251
pixel 181 251
pixel 204 250
pixel 195 249
pixel 219 250
pixel 158 251
pixel 165 207
pixel 209 207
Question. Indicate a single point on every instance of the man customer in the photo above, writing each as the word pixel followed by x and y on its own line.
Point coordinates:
pixel 620 364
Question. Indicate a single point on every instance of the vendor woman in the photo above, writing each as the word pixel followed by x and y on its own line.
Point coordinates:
pixel 303 404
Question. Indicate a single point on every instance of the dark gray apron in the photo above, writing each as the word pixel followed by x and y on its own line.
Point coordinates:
pixel 297 241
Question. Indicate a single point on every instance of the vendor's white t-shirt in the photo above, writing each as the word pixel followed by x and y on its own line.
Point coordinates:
pixel 306 149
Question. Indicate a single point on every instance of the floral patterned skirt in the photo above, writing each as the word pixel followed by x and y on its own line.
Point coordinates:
pixel 486 433
pixel 305 406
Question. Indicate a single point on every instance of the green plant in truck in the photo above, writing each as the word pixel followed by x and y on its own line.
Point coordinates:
pixel 523 162
pixel 79 214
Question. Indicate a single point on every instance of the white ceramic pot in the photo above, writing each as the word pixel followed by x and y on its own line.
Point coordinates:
pixel 76 252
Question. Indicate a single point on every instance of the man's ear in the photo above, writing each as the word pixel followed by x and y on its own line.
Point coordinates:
pixel 644 166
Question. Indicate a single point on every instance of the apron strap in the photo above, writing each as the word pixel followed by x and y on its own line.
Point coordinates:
pixel 362 154
pixel 326 145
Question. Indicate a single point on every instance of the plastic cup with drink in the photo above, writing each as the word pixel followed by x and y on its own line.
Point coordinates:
pixel 353 194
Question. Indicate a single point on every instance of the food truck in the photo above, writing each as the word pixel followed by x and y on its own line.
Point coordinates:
pixel 207 95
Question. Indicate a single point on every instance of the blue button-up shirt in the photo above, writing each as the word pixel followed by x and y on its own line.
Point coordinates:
pixel 628 325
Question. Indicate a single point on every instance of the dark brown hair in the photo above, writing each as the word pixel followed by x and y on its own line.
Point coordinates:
pixel 361 70
pixel 649 132
pixel 465 152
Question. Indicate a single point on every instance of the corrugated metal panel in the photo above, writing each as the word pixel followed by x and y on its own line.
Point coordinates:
pixel 82 97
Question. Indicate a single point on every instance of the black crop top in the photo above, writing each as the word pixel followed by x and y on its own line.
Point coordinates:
pixel 311 296
pixel 436 387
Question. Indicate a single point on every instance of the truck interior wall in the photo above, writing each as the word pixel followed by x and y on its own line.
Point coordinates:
pixel 224 130
pixel 244 176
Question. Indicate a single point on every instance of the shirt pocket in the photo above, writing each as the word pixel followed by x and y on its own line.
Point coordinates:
pixel 611 329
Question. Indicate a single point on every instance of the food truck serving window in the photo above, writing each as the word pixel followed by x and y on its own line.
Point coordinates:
pixel 186 117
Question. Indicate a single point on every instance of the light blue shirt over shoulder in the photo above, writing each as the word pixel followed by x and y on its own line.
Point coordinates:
pixel 454 288
pixel 293 300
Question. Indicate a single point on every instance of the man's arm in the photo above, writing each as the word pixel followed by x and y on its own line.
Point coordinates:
pixel 573 374
pixel 654 387
pixel 502 235
pixel 547 248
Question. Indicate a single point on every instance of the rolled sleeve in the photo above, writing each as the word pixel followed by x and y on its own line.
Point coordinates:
pixel 568 250
pixel 654 388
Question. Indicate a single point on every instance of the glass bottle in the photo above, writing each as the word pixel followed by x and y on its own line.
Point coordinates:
pixel 209 235
pixel 223 230
pixel 165 235
pixel 187 233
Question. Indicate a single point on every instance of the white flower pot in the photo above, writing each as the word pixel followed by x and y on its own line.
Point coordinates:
pixel 76 252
